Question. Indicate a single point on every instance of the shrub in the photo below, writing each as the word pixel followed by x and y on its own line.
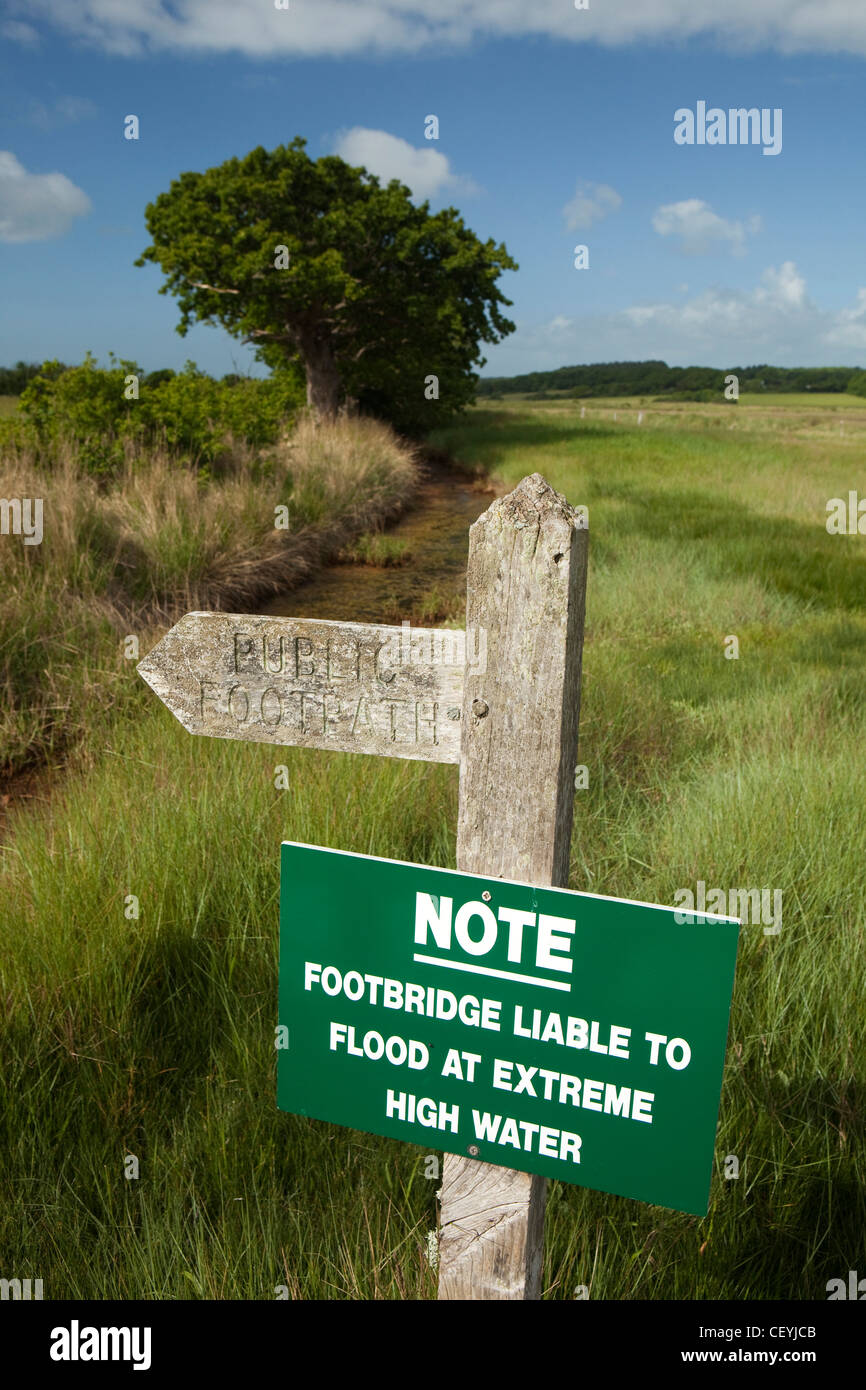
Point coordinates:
pixel 86 404
pixel 158 377
pixel 188 412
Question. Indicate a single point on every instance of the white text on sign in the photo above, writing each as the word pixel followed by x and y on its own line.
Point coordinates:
pixel 435 917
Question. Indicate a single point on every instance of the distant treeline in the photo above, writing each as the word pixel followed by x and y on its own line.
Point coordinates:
pixel 658 379
pixel 597 379
pixel 14 379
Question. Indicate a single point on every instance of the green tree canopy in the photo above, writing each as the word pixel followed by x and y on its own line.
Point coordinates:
pixel 372 294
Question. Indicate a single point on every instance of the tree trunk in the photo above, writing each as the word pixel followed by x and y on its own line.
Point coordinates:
pixel 323 378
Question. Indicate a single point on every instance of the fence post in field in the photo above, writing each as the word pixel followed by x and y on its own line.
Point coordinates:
pixel 526 586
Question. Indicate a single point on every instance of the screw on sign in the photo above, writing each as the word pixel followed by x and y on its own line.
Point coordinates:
pixel 511 723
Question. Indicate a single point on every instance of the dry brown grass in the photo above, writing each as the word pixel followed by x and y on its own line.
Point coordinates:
pixel 217 546
pixel 125 555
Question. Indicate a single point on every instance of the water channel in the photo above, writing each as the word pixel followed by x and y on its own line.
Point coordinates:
pixel 435 531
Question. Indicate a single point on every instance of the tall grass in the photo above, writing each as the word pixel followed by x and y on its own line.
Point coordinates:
pixel 158 539
pixel 154 1036
pixel 376 549
pixel 737 772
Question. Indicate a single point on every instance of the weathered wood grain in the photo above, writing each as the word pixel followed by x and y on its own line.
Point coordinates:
pixel 352 687
pixel 526 588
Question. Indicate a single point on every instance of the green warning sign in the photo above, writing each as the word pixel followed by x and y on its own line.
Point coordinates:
pixel 562 1033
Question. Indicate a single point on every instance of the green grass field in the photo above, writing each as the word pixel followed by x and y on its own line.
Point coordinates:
pixel 803 400
pixel 154 1036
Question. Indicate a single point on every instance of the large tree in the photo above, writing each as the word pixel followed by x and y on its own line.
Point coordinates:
pixel 372 294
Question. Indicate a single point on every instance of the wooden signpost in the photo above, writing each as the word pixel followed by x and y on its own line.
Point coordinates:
pixel 526 586
pixel 351 687
pixel 510 719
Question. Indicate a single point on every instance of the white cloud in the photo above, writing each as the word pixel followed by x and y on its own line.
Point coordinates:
pixel 427 172
pixel 761 315
pixel 75 108
pixel 312 27
pixel 774 321
pixel 65 111
pixel 18 32
pixel 700 230
pixel 784 288
pixel 36 207
pixel 591 202
pixel 849 328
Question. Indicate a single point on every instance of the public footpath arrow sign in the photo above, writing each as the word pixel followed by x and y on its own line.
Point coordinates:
pixel 352 687
pixel 561 1033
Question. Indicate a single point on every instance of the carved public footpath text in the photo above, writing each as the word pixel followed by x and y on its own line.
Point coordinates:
pixel 351 687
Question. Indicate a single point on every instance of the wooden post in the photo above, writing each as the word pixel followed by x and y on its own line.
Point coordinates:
pixel 526 587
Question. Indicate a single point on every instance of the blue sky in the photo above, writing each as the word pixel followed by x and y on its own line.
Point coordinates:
pixel 556 128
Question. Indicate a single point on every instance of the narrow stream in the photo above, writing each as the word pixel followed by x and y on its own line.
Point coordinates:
pixel 436 531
